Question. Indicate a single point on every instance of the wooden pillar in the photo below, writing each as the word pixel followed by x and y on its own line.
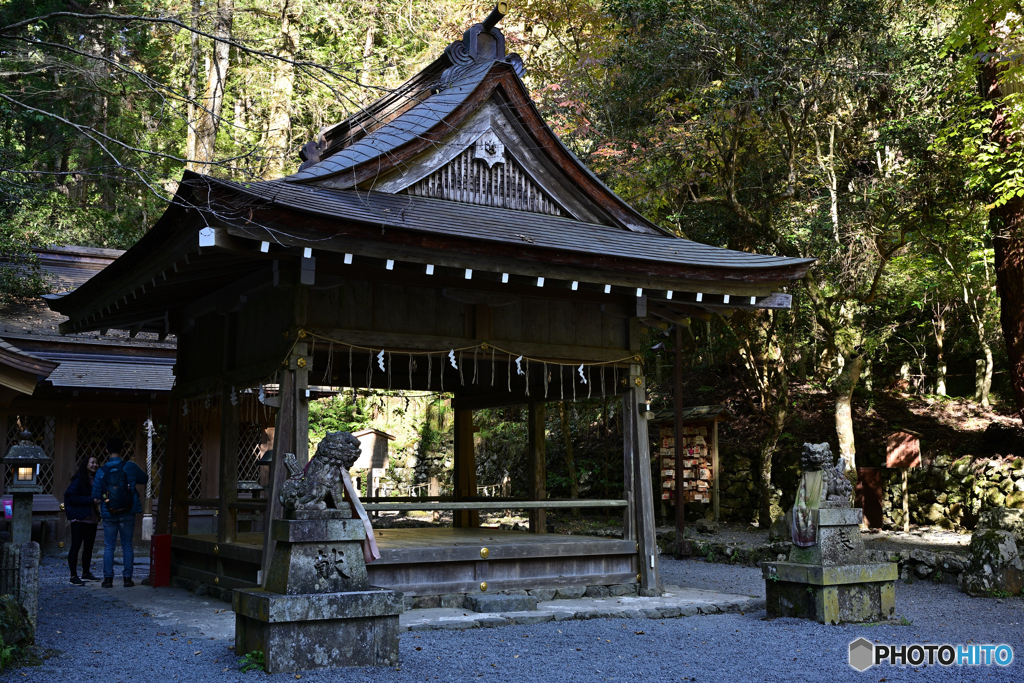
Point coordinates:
pixel 300 434
pixel 628 468
pixel 538 464
pixel 291 435
pixel 715 468
pixel 682 547
pixel 177 462
pixel 65 464
pixel 227 514
pixel 465 469
pixel 904 490
pixel 162 524
pixel 643 495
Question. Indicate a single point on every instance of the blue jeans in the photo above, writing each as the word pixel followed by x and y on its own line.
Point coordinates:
pixel 112 526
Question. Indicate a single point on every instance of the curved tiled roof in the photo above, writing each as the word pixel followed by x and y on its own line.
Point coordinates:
pixel 494 224
pixel 410 125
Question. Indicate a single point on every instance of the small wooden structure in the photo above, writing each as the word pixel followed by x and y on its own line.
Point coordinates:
pixel 903 451
pixel 692 465
pixel 441 239
pixel 373 458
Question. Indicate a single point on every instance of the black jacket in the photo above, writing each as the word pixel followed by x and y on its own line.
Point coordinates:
pixel 78 499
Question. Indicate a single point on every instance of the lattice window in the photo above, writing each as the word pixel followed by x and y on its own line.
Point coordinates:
pixel 505 184
pixel 195 462
pixel 44 430
pixel 92 436
pixel 250 434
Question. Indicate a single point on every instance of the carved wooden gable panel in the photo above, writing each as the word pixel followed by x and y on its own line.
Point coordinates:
pixel 485 173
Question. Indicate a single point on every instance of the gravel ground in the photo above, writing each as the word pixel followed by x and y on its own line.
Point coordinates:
pixel 101 640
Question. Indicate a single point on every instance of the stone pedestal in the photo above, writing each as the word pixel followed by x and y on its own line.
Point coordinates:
pixel 318 609
pixel 831 582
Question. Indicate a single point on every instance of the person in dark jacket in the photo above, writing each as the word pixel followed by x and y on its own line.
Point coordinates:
pixel 118 522
pixel 83 513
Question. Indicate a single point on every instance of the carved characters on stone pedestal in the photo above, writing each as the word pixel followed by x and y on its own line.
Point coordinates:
pixel 822 482
pixel 331 562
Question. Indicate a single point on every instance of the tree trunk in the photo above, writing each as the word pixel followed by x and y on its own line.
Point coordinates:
pixel 570 463
pixel 280 124
pixel 367 70
pixel 779 413
pixel 1007 235
pixel 208 116
pixel 1009 257
pixel 193 84
pixel 939 329
pixel 843 388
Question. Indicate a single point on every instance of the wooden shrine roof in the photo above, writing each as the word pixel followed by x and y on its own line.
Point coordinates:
pixel 455 169
pixel 560 236
pixel 410 126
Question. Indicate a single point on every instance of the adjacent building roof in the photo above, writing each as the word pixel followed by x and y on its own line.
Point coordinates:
pixel 115 360
pixel 143 377
pixel 20 372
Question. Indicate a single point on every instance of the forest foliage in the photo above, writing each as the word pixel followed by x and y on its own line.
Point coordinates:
pixel 852 131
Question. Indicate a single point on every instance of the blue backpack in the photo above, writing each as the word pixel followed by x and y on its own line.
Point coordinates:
pixel 116 493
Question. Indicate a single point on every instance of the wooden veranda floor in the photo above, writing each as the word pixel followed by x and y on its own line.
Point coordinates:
pixel 435 561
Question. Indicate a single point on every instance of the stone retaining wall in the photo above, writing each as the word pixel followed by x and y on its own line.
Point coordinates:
pixel 948 494
pixel 913 565
pixel 953 495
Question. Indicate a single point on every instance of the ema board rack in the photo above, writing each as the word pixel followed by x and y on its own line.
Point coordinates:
pixel 695 478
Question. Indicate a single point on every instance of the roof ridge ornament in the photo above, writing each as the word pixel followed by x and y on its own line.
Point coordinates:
pixel 483 42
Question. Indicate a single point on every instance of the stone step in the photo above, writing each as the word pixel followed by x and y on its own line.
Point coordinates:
pixel 498 602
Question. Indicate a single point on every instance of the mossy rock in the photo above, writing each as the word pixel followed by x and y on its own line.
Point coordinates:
pixel 15 628
pixel 1015 500
pixel 961 468
pixel 1017 464
pixel 995 564
pixel 995 498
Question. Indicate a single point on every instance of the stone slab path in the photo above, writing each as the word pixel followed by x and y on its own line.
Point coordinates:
pixel 674 602
pixel 179 609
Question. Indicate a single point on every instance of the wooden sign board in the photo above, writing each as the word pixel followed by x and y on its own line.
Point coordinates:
pixel 373 449
pixel 902 449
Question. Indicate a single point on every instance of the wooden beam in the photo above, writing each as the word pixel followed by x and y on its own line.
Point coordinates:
pixel 465 469
pixel 403 343
pixel 227 516
pixel 537 467
pixel 499 504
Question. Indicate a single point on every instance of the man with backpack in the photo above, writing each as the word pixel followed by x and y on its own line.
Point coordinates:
pixel 114 489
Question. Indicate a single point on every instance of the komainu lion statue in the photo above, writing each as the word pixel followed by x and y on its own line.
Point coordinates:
pixel 322 485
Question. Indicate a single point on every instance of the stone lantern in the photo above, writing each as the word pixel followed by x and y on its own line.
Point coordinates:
pixel 25 460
